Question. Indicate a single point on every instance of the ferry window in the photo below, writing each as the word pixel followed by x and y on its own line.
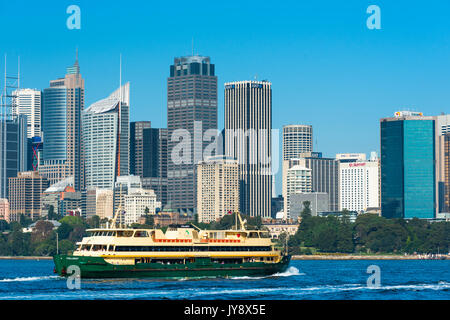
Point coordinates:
pixel 265 234
pixel 124 233
pixel 253 235
pixel 140 234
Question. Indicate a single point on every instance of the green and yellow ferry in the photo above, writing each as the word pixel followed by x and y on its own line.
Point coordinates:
pixel 181 252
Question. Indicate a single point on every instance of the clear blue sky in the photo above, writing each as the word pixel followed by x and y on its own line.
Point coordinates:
pixel 326 67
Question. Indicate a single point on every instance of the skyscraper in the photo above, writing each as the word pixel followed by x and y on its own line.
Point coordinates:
pixel 28 102
pixel 408 178
pixel 105 139
pixel 297 139
pixel 13 151
pixel 138 159
pixel 248 124
pixel 154 173
pixel 191 112
pixel 61 126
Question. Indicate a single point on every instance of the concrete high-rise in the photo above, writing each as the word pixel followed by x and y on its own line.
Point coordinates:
pixel 297 139
pixel 358 184
pixel 191 112
pixel 106 139
pixel 217 188
pixel 324 176
pixel 248 125
pixel 28 102
pixel 408 178
pixel 62 104
pixel 25 194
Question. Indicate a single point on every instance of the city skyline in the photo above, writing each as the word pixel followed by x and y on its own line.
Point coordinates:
pixel 313 50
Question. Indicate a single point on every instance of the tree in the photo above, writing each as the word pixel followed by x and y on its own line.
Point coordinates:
pixel 51 213
pixel 64 230
pixel 306 212
pixel 4 225
pixel 42 230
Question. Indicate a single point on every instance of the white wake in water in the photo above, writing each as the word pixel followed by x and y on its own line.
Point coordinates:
pixel 26 279
pixel 291 271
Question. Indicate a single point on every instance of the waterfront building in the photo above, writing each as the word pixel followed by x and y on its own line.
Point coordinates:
pixel 217 188
pixel 28 102
pixel 13 150
pixel 324 175
pixel 191 113
pixel 297 139
pixel 138 203
pixel 248 126
pixel 277 227
pixel 318 203
pixel 408 178
pixel 25 193
pixel 358 184
pixel 62 104
pixel 4 210
pixel 298 180
pixel 106 137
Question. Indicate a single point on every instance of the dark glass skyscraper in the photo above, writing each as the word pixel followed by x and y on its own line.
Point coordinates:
pixel 408 167
pixel 191 111
pixel 13 138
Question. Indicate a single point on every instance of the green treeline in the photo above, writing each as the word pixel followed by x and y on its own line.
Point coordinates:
pixel 42 241
pixel 368 234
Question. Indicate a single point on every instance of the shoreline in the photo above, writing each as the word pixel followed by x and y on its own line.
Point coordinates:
pixel 26 258
pixel 362 257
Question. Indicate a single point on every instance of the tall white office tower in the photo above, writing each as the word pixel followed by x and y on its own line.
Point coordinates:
pixel 248 124
pixel 105 134
pixel 28 102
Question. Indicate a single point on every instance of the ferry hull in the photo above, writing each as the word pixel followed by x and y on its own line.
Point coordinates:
pixel 98 268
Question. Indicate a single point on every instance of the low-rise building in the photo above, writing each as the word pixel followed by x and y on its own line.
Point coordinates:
pixel 137 202
pixel 277 227
pixel 25 194
pixel 4 210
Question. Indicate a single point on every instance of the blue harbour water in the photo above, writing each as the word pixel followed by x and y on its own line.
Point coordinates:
pixel 304 280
